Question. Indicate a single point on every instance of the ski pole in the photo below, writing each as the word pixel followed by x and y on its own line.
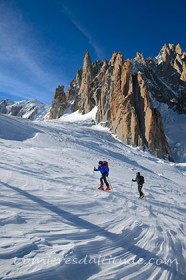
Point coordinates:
pixel 131 187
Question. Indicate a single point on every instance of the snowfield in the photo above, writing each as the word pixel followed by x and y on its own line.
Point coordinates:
pixel 55 224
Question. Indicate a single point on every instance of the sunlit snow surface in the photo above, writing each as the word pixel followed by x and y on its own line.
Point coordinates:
pixel 55 224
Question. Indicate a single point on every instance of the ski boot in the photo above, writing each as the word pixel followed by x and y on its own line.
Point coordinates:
pixel 101 188
pixel 108 188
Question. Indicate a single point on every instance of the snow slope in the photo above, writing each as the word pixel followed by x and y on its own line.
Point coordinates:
pixel 55 224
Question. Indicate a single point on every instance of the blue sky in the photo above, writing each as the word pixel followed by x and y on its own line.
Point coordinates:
pixel 43 42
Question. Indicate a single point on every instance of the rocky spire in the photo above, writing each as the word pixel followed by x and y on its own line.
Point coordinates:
pixel 87 74
pixel 58 103
pixel 125 97
pixel 85 87
pixel 178 49
pixel 139 57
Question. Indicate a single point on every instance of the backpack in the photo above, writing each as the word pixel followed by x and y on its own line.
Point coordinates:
pixel 106 164
pixel 142 180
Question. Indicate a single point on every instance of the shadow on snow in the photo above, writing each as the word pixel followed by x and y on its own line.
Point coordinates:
pixel 81 223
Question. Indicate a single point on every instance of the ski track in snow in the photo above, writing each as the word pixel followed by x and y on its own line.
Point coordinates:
pixel 55 224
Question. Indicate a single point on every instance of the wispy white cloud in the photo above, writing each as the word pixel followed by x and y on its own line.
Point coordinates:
pixel 22 66
pixel 98 50
pixel 92 41
pixel 17 87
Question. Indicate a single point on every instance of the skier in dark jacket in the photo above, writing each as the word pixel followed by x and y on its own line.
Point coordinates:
pixel 140 181
pixel 104 173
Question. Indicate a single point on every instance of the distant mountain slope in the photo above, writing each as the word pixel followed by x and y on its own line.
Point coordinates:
pixel 27 109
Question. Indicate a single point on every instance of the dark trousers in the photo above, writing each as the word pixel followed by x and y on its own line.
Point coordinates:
pixel 103 178
pixel 140 189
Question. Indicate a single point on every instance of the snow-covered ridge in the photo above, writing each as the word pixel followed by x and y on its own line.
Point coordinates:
pixel 55 224
pixel 27 109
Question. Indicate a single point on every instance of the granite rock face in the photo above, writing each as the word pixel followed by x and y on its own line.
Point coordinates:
pixel 59 103
pixel 125 92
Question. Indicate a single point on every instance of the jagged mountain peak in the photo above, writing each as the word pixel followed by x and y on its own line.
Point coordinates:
pixel 127 94
pixel 172 48
pixel 87 54
pixel 139 57
pixel 170 52
pixel 117 57
pixel 87 60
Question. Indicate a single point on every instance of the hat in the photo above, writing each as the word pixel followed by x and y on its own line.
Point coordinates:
pixel 100 162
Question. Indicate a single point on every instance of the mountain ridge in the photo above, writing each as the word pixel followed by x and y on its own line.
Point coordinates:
pixel 27 109
pixel 125 92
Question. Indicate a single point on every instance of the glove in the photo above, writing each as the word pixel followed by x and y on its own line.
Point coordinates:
pixel 94 169
pixel 133 180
